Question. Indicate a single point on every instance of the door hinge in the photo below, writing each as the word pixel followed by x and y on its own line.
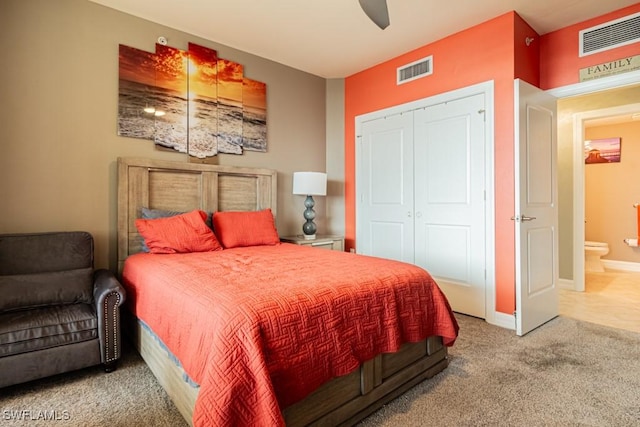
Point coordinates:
pixel 484 116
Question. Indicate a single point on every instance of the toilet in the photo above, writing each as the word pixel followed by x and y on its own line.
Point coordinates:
pixel 592 253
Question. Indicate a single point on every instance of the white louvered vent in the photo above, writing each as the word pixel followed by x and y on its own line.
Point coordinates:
pixel 610 35
pixel 420 68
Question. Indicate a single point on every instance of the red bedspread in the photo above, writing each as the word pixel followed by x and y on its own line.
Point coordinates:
pixel 261 327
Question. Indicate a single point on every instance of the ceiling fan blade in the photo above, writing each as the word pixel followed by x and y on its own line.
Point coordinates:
pixel 377 11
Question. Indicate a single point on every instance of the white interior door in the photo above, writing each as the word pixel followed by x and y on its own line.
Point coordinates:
pixel 536 207
pixel 385 188
pixel 449 169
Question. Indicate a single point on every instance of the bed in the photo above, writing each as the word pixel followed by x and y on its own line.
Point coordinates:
pixel 274 379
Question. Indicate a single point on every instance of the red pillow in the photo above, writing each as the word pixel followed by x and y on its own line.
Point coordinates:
pixel 253 228
pixel 178 234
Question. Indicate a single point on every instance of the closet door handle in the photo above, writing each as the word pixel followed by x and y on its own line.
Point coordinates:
pixel 409 214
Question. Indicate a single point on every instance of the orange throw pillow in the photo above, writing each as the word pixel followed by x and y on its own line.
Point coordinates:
pixel 254 228
pixel 178 234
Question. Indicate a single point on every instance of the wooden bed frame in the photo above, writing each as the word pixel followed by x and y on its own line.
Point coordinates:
pixel 186 186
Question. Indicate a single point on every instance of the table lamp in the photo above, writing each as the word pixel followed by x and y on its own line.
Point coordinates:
pixel 309 184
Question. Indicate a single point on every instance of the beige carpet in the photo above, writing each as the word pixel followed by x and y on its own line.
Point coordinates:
pixel 129 396
pixel 566 373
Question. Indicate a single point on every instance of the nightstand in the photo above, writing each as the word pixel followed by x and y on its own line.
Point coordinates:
pixel 335 243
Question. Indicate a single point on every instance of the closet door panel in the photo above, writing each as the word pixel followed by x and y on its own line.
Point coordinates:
pixel 449 199
pixel 446 260
pixel 385 188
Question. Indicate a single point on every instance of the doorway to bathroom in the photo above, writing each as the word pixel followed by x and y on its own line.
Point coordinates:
pixel 603 199
pixel 610 194
pixel 602 195
pixel 577 103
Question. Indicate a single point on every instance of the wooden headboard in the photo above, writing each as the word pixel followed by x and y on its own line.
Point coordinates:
pixel 182 186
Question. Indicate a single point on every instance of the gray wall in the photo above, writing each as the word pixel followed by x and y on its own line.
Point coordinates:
pixel 59 91
pixel 335 156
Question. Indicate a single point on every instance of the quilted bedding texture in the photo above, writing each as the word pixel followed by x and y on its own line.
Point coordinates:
pixel 259 328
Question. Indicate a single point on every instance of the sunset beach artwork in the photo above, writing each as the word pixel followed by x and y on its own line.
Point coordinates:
pixel 605 150
pixel 230 75
pixel 203 101
pixel 190 101
pixel 254 115
pixel 137 91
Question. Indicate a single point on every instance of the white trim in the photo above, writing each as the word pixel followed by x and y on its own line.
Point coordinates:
pixel 621 265
pixel 610 82
pixel 503 320
pixel 578 205
pixel 486 88
pixel 566 284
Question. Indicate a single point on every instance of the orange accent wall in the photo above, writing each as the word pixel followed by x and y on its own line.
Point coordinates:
pixel 488 51
pixel 494 50
pixel 560 63
pixel 527 58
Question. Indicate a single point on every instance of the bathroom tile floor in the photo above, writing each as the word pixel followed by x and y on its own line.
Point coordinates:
pixel 611 298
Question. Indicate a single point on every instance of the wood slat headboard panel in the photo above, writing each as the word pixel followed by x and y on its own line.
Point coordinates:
pixel 180 186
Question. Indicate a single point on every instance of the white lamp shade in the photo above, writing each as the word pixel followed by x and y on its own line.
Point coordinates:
pixel 310 183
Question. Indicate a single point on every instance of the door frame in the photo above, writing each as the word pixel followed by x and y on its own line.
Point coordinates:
pixel 591 86
pixel 579 184
pixel 486 88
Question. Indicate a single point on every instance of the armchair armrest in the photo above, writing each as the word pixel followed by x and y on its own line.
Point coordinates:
pixel 108 296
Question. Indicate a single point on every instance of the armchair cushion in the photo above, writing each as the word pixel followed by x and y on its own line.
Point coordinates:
pixel 45 252
pixel 25 291
pixel 45 269
pixel 37 329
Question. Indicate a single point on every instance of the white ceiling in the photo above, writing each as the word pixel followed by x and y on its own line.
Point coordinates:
pixel 334 38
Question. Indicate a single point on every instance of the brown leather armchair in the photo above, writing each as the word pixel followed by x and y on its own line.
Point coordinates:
pixel 57 313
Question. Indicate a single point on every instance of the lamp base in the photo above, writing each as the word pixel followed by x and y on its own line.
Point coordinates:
pixel 309 227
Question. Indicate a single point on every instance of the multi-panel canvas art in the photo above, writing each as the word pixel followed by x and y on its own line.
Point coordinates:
pixel 254 115
pixel 190 101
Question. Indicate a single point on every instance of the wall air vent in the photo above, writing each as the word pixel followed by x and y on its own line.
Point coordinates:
pixel 610 35
pixel 420 68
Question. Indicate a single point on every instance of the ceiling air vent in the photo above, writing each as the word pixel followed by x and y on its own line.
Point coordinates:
pixel 610 35
pixel 420 68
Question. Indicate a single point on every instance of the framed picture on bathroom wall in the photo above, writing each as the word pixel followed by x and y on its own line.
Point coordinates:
pixel 606 150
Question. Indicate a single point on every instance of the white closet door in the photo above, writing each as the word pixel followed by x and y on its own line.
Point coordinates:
pixel 449 199
pixel 385 188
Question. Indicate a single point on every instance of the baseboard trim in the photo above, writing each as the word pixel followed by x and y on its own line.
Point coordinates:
pixel 503 320
pixel 621 265
pixel 566 284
